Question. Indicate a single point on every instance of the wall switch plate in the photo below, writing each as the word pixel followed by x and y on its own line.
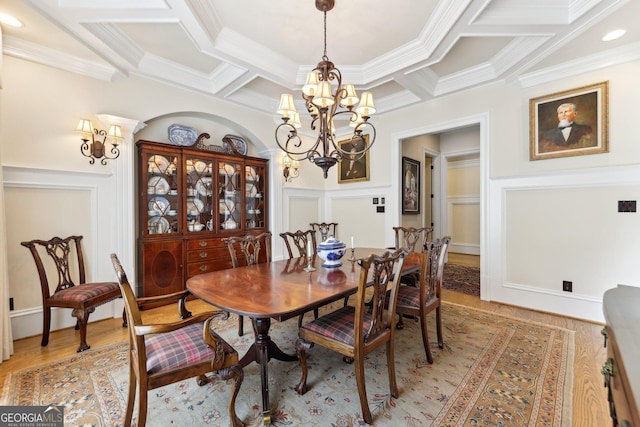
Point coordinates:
pixel 626 205
pixel 567 286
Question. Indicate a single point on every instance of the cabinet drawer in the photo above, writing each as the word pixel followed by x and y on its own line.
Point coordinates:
pixel 193 244
pixel 206 254
pixel 194 268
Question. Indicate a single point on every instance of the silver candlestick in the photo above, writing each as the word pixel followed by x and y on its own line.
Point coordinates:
pixel 309 267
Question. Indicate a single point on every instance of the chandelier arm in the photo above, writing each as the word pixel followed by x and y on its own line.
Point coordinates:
pixel 357 135
pixel 294 140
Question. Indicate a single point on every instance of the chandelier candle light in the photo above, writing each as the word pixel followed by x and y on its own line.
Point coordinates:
pixel 324 105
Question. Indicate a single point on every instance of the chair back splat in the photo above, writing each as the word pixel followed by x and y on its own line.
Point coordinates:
pixel 299 240
pixel 161 354
pixel 250 246
pixel 81 297
pixel 355 331
pixel 325 229
pixel 411 238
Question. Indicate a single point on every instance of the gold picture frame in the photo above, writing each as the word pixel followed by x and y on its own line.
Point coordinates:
pixel 549 138
pixel 354 170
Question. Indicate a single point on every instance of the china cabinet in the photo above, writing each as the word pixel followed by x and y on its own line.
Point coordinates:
pixel 188 200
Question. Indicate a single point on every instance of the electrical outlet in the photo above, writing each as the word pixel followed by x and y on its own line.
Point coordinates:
pixel 567 286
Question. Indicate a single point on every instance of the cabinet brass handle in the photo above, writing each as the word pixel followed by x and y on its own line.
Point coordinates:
pixel 608 371
pixel 604 332
pixel 203 268
pixel 203 254
pixel 203 243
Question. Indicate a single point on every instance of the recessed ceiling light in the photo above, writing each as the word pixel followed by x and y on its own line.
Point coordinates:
pixel 10 20
pixel 612 35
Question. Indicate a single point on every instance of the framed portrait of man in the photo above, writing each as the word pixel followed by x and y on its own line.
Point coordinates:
pixel 352 168
pixel 410 186
pixel 569 123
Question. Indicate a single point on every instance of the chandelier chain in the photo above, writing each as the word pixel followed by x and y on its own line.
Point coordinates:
pixel 325 57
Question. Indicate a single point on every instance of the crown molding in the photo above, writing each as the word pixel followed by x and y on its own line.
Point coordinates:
pixel 621 55
pixel 52 58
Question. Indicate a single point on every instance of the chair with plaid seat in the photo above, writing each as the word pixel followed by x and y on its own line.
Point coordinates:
pixel 357 331
pixel 421 300
pixel 82 298
pixel 166 353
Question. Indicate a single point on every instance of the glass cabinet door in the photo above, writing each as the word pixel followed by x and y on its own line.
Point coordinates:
pixel 230 195
pixel 199 195
pixel 161 195
pixel 254 196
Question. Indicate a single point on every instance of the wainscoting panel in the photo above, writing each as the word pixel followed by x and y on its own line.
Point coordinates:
pixel 463 224
pixel 41 204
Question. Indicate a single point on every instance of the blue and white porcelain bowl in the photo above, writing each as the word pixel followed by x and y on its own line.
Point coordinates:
pixel 331 250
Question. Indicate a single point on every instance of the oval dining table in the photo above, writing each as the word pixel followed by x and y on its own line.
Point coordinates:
pixel 278 290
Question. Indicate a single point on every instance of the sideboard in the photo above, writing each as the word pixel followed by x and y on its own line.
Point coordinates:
pixel 621 370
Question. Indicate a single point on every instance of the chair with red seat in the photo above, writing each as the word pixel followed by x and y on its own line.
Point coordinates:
pixel 82 298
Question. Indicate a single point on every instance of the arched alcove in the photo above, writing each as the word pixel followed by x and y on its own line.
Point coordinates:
pixel 216 126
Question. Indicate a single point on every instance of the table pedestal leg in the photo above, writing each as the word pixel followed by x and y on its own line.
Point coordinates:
pixel 261 351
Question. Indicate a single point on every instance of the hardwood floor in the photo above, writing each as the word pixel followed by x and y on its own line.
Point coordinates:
pixel 589 396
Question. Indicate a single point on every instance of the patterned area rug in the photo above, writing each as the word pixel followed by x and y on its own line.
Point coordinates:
pixel 493 371
pixel 461 278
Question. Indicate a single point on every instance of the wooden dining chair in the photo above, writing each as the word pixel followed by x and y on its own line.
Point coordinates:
pixel 250 246
pixel 299 240
pixel 325 229
pixel 357 331
pixel 421 300
pixel 412 239
pixel 82 297
pixel 161 354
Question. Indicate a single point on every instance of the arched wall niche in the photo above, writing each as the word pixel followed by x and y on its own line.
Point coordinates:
pixel 217 127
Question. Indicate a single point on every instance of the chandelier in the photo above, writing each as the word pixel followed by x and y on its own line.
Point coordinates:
pixel 324 102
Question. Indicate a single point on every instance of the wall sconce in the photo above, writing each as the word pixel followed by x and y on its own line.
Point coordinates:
pixel 290 168
pixel 95 149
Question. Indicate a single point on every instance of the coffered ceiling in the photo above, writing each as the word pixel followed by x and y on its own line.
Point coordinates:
pixel 251 51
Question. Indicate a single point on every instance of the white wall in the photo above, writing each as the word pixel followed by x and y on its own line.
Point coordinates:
pixel 505 166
